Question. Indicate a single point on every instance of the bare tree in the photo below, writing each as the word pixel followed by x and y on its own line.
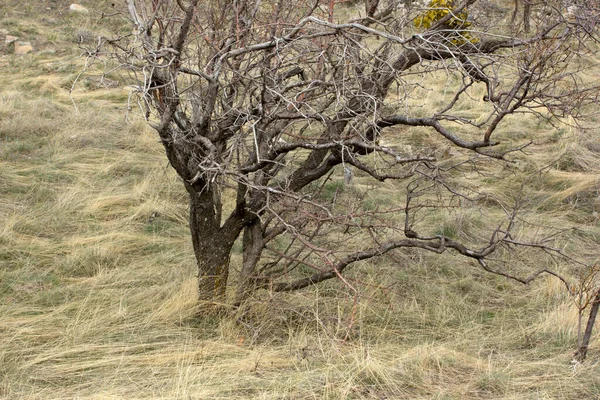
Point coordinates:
pixel 262 105
pixel 588 295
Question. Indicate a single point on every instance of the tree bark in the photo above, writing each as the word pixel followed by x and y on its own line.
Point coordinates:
pixel 585 342
pixel 211 249
pixel 253 243
pixel 527 16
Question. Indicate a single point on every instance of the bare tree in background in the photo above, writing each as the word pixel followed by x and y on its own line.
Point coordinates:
pixel 526 14
pixel 261 105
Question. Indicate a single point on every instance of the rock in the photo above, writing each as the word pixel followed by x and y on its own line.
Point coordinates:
pixel 10 39
pixel 76 8
pixel 3 32
pixel 9 43
pixel 50 21
pixel 23 47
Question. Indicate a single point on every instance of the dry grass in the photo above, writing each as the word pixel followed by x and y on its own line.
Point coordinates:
pixel 97 286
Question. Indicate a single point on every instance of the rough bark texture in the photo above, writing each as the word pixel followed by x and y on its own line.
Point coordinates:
pixel 211 251
pixel 253 246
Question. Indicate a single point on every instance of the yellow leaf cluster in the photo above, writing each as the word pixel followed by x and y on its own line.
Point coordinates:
pixel 437 10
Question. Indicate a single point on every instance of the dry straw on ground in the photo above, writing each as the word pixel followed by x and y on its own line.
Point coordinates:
pixel 97 286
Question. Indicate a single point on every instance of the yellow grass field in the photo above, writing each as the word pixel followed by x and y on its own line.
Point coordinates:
pixel 97 273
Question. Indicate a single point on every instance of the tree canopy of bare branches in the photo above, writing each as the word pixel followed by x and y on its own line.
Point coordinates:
pixel 261 103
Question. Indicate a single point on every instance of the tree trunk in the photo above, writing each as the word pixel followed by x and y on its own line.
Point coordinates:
pixel 527 16
pixel 212 257
pixel 253 246
pixel 585 342
pixel 515 12
pixel 211 249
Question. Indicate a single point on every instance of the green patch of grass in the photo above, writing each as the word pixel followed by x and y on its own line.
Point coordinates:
pixel 17 287
pixel 448 231
pixel 373 202
pixel 28 30
pixel 494 383
pixel 11 25
pixel 331 189
pixel 162 227
pixel 88 262
pixel 238 246
pixel 17 149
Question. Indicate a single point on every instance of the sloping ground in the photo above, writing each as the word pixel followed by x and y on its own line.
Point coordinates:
pixel 97 283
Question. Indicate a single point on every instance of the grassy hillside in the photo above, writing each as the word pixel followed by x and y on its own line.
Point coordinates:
pixel 97 276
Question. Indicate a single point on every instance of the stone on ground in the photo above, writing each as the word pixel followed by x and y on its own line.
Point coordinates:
pixel 23 47
pixel 77 8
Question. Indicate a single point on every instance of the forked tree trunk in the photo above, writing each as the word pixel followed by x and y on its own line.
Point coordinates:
pixel 585 342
